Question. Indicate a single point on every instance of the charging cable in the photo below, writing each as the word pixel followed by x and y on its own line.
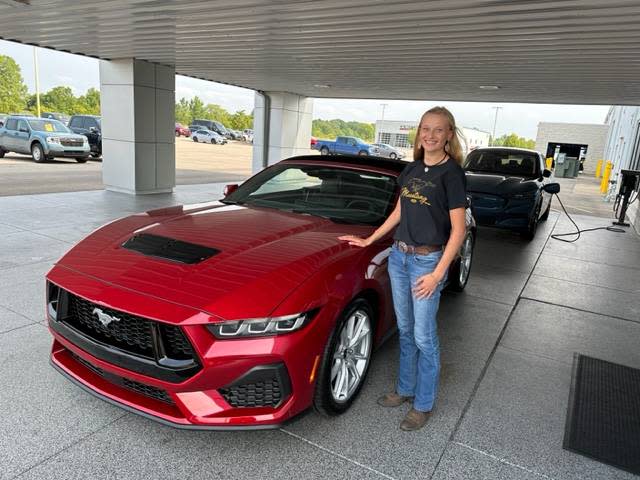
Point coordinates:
pixel 577 233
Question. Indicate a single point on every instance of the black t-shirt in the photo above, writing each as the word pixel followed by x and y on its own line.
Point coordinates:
pixel 425 201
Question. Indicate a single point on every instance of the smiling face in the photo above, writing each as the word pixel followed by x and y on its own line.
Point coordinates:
pixel 434 132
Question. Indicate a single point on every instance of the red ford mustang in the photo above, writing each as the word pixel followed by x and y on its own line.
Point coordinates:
pixel 240 313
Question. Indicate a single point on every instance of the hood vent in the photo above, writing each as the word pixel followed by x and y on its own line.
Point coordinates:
pixel 169 248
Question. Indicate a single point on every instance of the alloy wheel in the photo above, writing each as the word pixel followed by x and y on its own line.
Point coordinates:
pixel 466 253
pixel 351 356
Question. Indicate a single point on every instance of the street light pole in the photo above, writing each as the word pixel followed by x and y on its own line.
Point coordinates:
pixel 495 121
pixel 384 105
pixel 35 68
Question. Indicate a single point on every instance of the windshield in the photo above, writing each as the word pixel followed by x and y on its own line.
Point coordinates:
pixel 42 125
pixel 504 162
pixel 339 194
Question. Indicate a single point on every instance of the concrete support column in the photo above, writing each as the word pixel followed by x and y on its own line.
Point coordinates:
pixel 288 127
pixel 138 114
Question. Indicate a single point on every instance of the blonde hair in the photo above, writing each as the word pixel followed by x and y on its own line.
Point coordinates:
pixel 453 147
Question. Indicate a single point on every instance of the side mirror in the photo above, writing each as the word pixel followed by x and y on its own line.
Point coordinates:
pixel 229 189
pixel 552 188
pixel 546 173
pixel 93 129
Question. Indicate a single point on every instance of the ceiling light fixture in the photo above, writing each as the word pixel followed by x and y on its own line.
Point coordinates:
pixel 489 87
pixel 322 85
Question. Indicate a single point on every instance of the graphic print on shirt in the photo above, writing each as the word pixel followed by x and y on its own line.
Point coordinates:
pixel 413 189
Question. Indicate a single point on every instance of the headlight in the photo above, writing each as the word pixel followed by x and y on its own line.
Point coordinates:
pixel 261 327
pixel 53 140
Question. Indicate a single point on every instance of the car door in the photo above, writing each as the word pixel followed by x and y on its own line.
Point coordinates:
pixel 22 137
pixel 92 130
pixel 11 132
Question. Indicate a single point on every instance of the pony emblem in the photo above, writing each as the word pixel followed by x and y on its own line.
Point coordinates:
pixel 104 318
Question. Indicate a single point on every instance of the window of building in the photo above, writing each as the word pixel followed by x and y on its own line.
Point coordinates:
pixel 384 137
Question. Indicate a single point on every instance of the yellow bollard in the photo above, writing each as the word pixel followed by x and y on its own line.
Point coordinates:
pixel 604 185
pixel 599 168
pixel 549 162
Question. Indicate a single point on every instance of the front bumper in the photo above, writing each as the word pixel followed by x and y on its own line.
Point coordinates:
pixel 238 384
pixel 64 151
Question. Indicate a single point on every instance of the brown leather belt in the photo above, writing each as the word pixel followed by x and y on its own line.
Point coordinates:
pixel 416 250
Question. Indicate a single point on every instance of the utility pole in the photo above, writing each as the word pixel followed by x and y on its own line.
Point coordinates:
pixel 384 105
pixel 35 68
pixel 495 121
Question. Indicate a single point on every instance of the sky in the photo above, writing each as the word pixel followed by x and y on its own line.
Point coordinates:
pixel 81 73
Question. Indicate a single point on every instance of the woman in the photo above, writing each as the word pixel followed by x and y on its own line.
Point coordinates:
pixel 430 216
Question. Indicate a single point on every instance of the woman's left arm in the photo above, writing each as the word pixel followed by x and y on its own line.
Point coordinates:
pixel 426 285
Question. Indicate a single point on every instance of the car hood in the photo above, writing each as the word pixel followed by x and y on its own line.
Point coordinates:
pixel 263 255
pixel 497 184
pixel 74 136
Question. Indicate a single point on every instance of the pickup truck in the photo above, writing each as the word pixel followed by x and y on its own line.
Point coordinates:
pixel 345 146
pixel 42 138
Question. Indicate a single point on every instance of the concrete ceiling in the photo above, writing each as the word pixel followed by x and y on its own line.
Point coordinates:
pixel 582 52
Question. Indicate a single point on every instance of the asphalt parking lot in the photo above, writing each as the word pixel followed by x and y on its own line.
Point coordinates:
pixel 507 345
pixel 195 163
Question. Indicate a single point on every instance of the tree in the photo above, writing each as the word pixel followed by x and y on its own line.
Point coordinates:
pixel 59 99
pixel 13 91
pixel 336 128
pixel 183 112
pixel 196 109
pixel 513 140
pixel 89 103
pixel 241 121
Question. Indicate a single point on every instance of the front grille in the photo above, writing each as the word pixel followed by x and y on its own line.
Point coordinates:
pixel 127 332
pixel 266 393
pixel 71 142
pixel 142 389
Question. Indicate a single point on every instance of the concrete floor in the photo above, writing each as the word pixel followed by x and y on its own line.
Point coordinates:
pixel 507 346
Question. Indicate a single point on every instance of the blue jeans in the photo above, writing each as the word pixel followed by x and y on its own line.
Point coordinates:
pixel 419 345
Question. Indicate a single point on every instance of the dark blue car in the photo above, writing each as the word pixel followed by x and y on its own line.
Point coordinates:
pixel 510 188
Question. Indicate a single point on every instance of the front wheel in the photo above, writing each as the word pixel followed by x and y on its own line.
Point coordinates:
pixel 195 139
pixel 81 159
pixel 346 360
pixel 363 153
pixel 393 156
pixel 37 152
pixel 213 141
pixel 532 228
pixel 324 151
pixel 2 152
pixel 459 271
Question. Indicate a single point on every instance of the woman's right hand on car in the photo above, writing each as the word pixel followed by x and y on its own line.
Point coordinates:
pixel 355 241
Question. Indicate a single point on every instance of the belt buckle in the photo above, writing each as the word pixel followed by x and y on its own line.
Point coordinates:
pixel 403 247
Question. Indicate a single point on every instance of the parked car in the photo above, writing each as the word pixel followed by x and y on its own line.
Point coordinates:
pixel 247 135
pixel 234 134
pixel 3 118
pixel 213 126
pixel 387 151
pixel 61 117
pixel 510 188
pixel 345 146
pixel 240 313
pixel 91 127
pixel 44 139
pixel 182 130
pixel 207 136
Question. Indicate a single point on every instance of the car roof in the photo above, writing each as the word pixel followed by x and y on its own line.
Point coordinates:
pixel 514 149
pixel 396 166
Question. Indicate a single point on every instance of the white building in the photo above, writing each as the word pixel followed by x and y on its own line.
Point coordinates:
pixel 396 133
pixel 579 140
pixel 622 147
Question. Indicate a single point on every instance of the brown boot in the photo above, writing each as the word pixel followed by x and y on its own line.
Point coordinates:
pixel 414 420
pixel 393 400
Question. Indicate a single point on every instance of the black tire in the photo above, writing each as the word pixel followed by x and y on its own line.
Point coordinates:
pixel 324 401
pixel 2 152
pixel 177 134
pixel 363 153
pixel 195 139
pixel 324 151
pixel 95 155
pixel 393 156
pixel 532 228
pixel 213 141
pixel 37 153
pixel 459 271
pixel 81 159
pixel 545 215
